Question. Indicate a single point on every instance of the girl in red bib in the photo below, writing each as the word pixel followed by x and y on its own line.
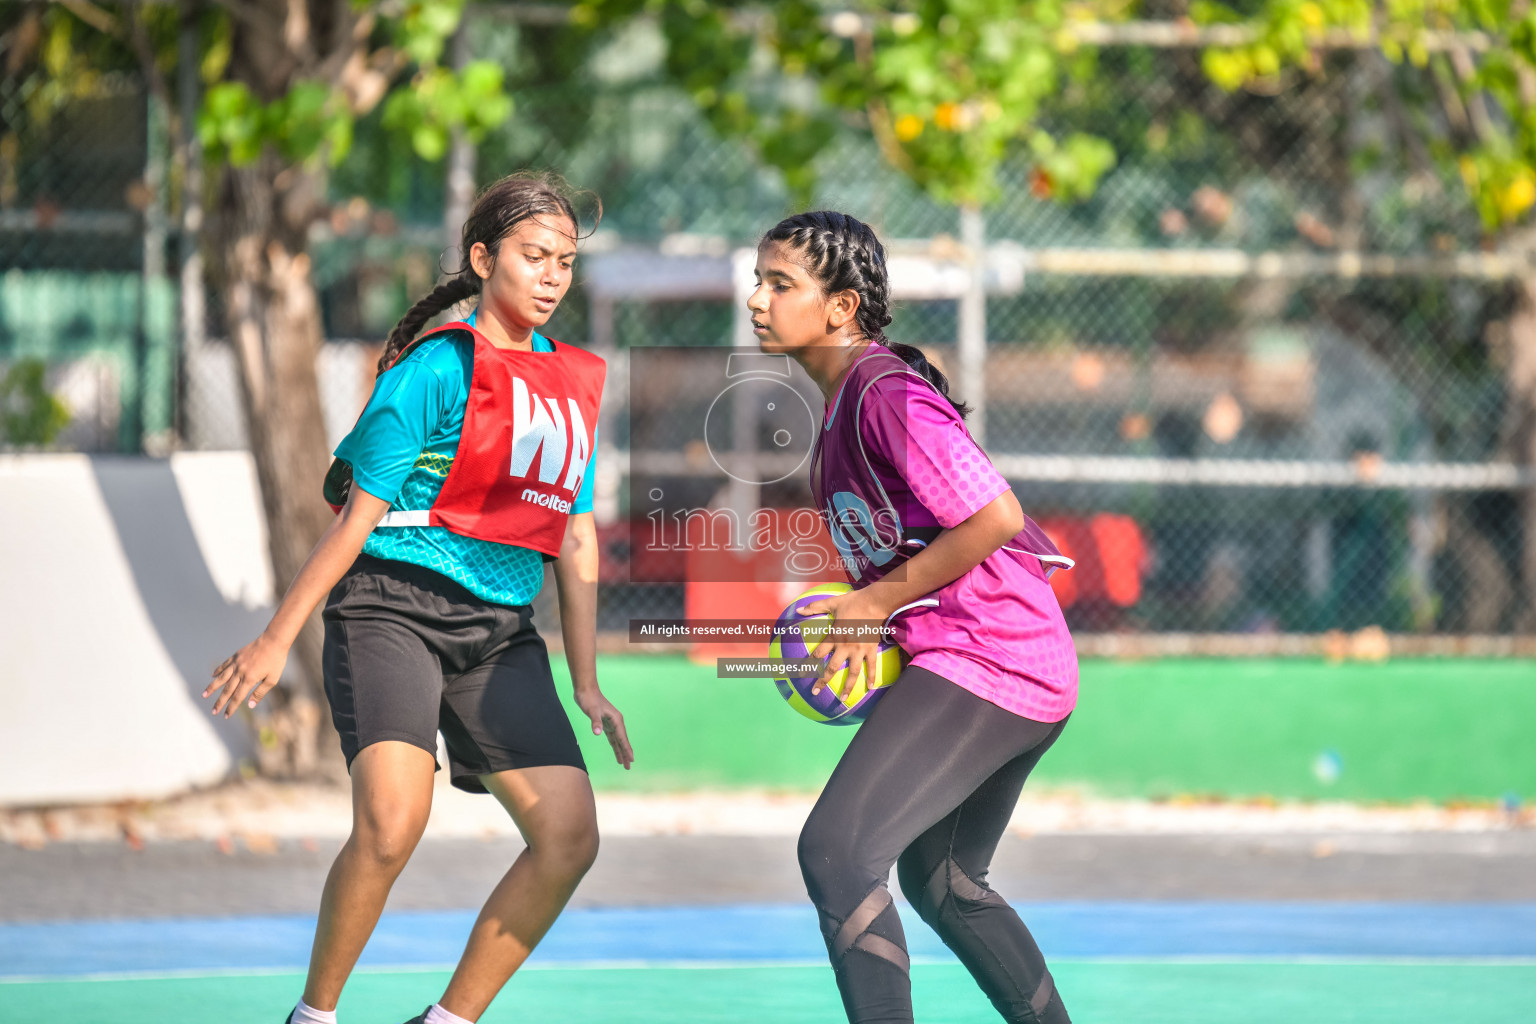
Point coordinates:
pixel 467 471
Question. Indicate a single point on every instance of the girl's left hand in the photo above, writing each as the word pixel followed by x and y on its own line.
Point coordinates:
pixel 854 606
pixel 606 720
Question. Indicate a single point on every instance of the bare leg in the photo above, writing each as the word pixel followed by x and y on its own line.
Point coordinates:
pixel 391 799
pixel 554 810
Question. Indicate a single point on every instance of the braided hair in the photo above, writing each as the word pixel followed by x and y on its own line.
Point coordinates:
pixel 841 253
pixel 497 212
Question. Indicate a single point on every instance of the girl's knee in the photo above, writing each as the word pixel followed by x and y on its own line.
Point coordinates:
pixel 811 849
pixel 388 839
pixel 580 848
pixel 567 847
pixel 826 852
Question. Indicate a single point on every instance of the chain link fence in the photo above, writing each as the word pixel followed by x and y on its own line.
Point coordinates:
pixel 75 296
pixel 1258 383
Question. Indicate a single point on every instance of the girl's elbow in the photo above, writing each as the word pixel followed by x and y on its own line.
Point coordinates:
pixel 575 547
pixel 1011 515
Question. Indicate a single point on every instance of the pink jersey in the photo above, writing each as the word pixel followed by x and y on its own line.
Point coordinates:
pixel 892 466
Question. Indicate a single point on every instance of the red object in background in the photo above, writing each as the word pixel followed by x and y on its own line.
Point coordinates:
pixel 758 595
pixel 613 553
pixel 752 585
pixel 718 583
pixel 1111 556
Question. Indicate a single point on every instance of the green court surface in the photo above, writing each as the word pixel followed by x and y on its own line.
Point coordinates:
pixel 1096 993
pixel 1397 731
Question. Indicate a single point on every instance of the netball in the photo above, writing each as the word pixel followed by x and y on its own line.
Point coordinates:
pixel 839 702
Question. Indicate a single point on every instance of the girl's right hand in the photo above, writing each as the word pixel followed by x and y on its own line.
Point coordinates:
pixel 251 672
pixel 606 721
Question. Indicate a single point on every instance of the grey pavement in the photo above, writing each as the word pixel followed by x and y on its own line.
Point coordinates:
pixel 176 879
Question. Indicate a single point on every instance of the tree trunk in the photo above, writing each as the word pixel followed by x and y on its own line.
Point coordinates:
pixel 273 319
pixel 1522 437
pixel 260 226
pixel 1486 591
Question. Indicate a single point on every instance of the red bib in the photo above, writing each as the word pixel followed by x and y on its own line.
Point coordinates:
pixel 527 441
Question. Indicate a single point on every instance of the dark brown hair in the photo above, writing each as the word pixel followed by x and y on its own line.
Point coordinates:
pixel 842 253
pixel 498 210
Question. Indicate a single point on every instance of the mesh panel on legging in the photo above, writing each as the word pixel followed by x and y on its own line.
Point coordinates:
pixel 929 750
pixel 944 875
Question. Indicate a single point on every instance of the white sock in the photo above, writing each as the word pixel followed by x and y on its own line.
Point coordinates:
pixel 306 1014
pixel 438 1015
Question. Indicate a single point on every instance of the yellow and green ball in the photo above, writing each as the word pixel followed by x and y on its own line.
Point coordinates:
pixel 840 702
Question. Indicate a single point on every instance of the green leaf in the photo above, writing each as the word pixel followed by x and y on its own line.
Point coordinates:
pixel 430 141
pixel 338 138
pixel 29 413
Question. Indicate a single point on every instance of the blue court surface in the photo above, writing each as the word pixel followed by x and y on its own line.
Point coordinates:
pixel 1190 962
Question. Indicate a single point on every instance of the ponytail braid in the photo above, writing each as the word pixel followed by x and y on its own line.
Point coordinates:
pixel 913 357
pixel 842 253
pixel 445 296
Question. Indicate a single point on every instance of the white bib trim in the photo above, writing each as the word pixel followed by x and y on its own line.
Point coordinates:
pixel 417 518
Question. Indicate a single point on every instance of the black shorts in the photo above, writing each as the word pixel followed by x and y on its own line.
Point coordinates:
pixel 409 652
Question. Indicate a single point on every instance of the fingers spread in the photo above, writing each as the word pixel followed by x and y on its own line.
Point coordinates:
pixel 226 693
pixel 829 669
pixel 237 695
pixel 261 691
pixel 221 676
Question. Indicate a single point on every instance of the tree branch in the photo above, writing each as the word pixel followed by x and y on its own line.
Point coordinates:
pixel 144 49
pixel 93 16
pixel 337 65
pixel 297 32
pixel 1450 98
pixel 1461 60
pixel 1397 117
pixel 251 14
pixel 879 114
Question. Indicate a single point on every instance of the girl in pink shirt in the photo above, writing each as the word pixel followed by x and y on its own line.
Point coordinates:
pixel 935 541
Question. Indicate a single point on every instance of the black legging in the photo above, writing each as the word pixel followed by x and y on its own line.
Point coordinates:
pixel 928 784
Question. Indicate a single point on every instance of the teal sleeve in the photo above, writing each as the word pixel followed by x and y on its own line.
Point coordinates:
pixel 409 403
pixel 583 502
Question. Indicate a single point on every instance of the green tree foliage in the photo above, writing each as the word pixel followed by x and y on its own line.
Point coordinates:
pixel 952 88
pixel 314 118
pixel 284 84
pixel 1481 54
pixel 949 88
pixel 311 121
pixel 30 414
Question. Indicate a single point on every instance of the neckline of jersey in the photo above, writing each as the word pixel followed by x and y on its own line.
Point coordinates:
pixel 869 349
pixel 534 338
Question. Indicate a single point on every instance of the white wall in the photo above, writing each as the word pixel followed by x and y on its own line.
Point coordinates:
pixel 123 581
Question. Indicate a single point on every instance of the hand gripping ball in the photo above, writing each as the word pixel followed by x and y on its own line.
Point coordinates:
pixel 839 702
